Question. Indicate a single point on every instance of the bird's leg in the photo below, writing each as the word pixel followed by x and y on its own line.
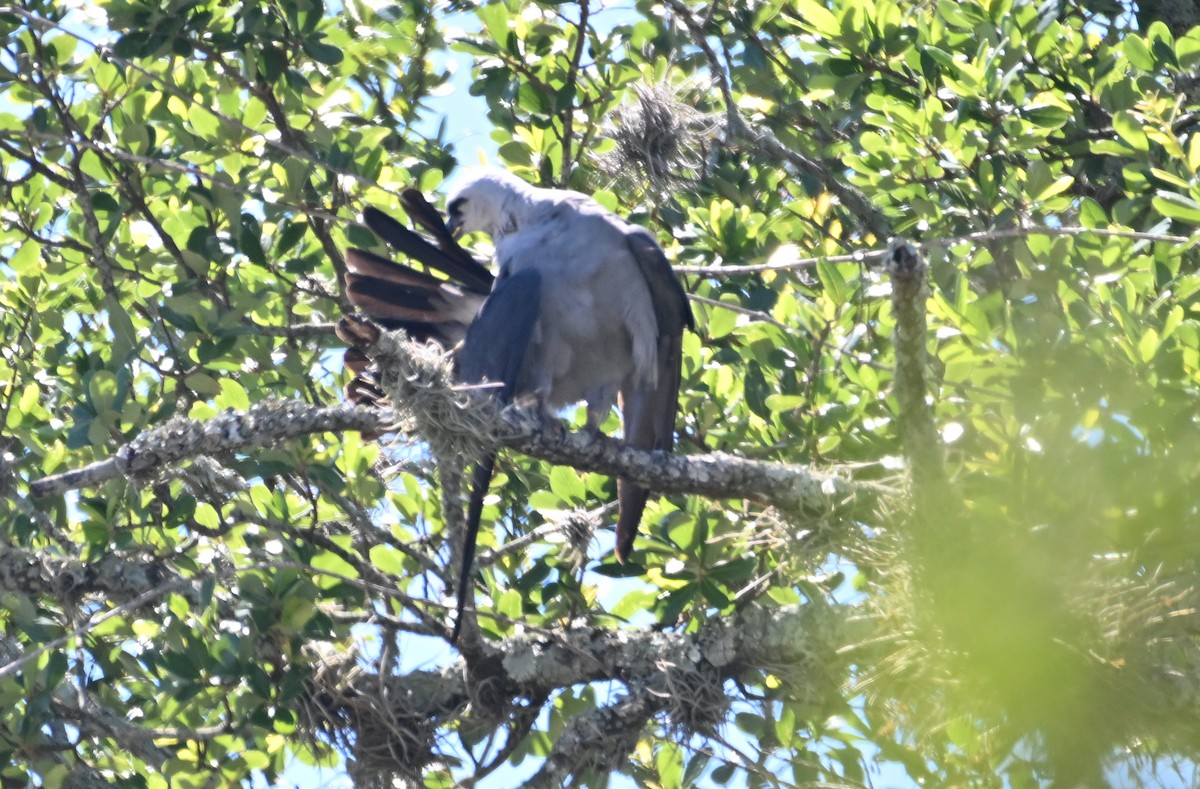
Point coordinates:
pixel 591 428
pixel 551 426
pixel 599 404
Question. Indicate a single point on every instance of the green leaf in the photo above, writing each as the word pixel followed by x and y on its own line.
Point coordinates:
pixel 232 395
pixel 203 121
pixel 509 605
pixel 722 774
pixel 1129 129
pixel 27 259
pixel 272 63
pixel 124 333
pixel 297 611
pixel 816 17
pixel 516 152
pixel 1187 50
pixel 1148 345
pixel 669 764
pixel 103 389
pixel 207 516
pixel 389 560
pixel 495 19
pixel 618 570
pixel 1046 116
pixel 336 566
pixel 202 384
pixel 721 322
pixel 567 485
pixel 323 53
pixel 1139 53
pixel 833 281
pixel 1176 206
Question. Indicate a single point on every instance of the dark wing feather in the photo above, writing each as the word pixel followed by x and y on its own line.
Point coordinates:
pixel 648 413
pixel 429 218
pixel 423 313
pixel 671 306
pixel 460 266
pixel 400 297
pixel 362 262
pixel 422 212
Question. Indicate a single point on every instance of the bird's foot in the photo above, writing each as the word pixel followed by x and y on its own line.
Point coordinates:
pixel 552 428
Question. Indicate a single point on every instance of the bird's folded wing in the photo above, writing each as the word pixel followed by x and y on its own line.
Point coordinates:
pixel 497 340
pixel 648 412
pixel 494 352
pixel 671 307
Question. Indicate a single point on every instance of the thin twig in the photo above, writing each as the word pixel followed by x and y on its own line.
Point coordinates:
pixel 941 243
pixel 569 90
pixel 757 315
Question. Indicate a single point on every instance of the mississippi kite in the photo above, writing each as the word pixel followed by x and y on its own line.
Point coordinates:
pixel 584 307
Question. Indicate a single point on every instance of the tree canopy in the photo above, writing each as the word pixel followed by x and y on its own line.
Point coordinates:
pixel 935 509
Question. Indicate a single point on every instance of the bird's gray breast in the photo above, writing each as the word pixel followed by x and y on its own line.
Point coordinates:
pixel 596 326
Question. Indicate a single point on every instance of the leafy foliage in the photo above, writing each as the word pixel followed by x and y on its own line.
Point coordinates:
pixel 178 180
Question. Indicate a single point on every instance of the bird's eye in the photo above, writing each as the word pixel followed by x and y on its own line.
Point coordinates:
pixel 456 206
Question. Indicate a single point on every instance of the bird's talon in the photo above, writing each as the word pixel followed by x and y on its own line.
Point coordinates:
pixel 553 429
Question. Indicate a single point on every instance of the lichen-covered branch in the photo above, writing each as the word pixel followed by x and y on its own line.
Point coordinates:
pixel 675 674
pixel 180 439
pixel 791 487
pixel 457 423
pixel 534 663
pixel 598 740
pixel 917 429
pixel 119 578
pixel 444 416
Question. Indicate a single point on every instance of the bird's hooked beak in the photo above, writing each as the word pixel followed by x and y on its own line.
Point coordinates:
pixel 454 216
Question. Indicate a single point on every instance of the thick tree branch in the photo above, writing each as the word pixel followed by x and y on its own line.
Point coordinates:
pixel 681 675
pixel 95 720
pixel 417 383
pixel 598 740
pixel 448 416
pixel 918 432
pixel 115 576
pixel 265 424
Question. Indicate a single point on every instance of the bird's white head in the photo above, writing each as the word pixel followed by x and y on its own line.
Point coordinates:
pixel 492 200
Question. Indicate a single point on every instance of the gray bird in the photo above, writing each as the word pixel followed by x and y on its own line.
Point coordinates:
pixel 585 307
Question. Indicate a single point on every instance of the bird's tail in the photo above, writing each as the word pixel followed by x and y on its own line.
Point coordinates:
pixel 648 420
pixel 632 499
pixel 480 478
